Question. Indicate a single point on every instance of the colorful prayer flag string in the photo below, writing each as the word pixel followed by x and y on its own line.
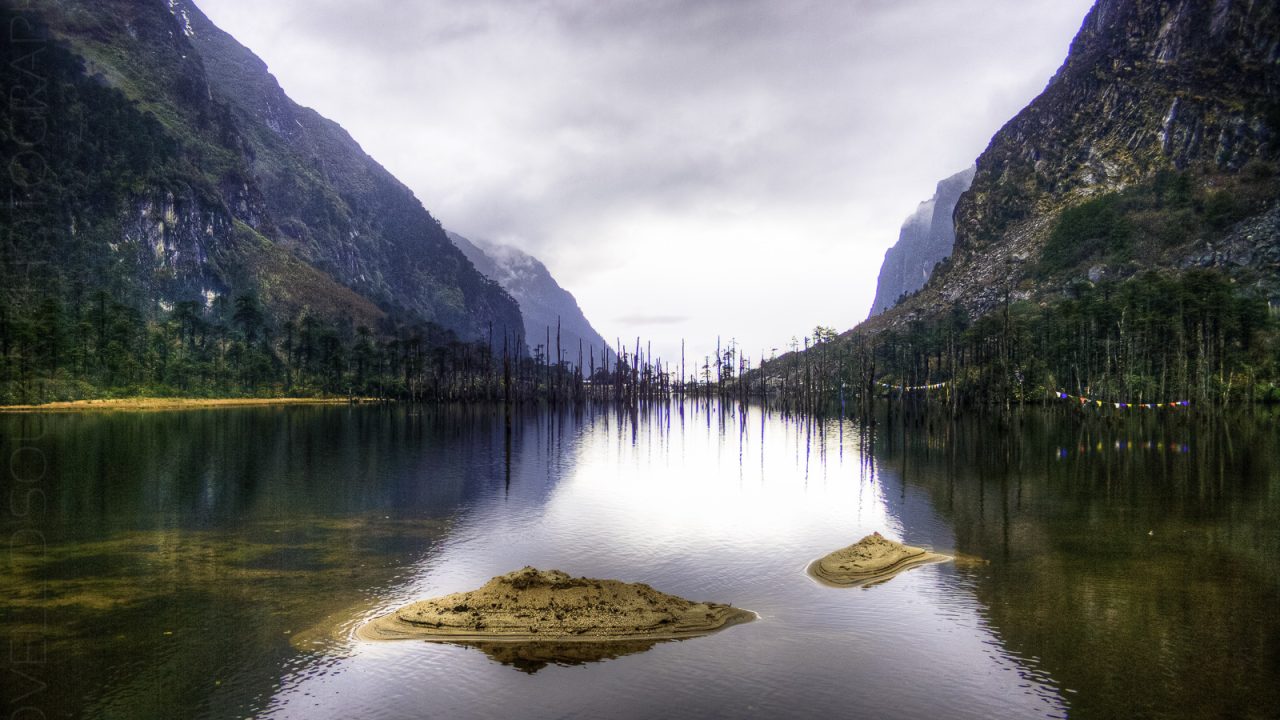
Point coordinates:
pixel 1100 447
pixel 913 388
pixel 1085 401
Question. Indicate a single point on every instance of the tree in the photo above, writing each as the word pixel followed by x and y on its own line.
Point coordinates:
pixel 248 315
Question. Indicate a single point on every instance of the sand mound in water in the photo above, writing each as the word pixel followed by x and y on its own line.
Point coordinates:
pixel 531 604
pixel 872 559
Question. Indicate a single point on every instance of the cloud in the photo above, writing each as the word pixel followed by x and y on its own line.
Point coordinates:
pixel 735 166
pixel 642 320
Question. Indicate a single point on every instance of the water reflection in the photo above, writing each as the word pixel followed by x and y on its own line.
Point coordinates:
pixel 711 503
pixel 187 559
pixel 530 657
pixel 216 561
pixel 1138 576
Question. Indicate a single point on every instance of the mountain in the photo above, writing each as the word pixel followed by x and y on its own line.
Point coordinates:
pixel 174 169
pixel 1120 244
pixel 1153 148
pixel 545 305
pixel 925 240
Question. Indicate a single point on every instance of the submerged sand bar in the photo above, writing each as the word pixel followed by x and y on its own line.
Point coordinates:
pixel 538 605
pixel 872 559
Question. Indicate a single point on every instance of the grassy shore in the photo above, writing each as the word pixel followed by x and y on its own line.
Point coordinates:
pixel 175 403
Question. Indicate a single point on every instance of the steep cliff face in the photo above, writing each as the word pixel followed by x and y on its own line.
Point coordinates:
pixel 927 237
pixel 544 304
pixel 181 171
pixel 1154 93
pixel 339 208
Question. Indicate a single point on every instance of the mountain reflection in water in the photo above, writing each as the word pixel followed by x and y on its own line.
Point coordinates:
pixel 213 563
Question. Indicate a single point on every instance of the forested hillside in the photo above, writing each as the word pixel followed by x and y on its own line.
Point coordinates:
pixel 178 225
pixel 1121 239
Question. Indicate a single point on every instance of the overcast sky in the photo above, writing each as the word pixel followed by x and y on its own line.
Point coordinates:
pixel 686 169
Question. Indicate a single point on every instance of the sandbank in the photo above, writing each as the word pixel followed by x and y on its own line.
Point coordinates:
pixel 872 559
pixel 549 606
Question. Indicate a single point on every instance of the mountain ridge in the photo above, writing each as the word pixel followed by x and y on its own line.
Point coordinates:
pixel 384 243
pixel 177 225
pixel 1143 94
pixel 926 238
pixel 548 308
pixel 1120 242
pixel 255 193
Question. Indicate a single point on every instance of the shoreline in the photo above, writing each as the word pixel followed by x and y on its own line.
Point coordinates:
pixel 177 403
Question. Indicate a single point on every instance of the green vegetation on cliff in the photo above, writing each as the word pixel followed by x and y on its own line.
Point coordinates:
pixel 1138 226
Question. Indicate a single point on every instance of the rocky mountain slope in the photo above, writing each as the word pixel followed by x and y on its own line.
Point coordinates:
pixel 545 305
pixel 925 240
pixel 1154 147
pixel 177 170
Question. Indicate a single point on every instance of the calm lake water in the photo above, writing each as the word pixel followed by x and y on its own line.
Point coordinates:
pixel 213 563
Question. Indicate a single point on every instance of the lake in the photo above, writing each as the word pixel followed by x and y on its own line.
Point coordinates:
pixel 214 563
